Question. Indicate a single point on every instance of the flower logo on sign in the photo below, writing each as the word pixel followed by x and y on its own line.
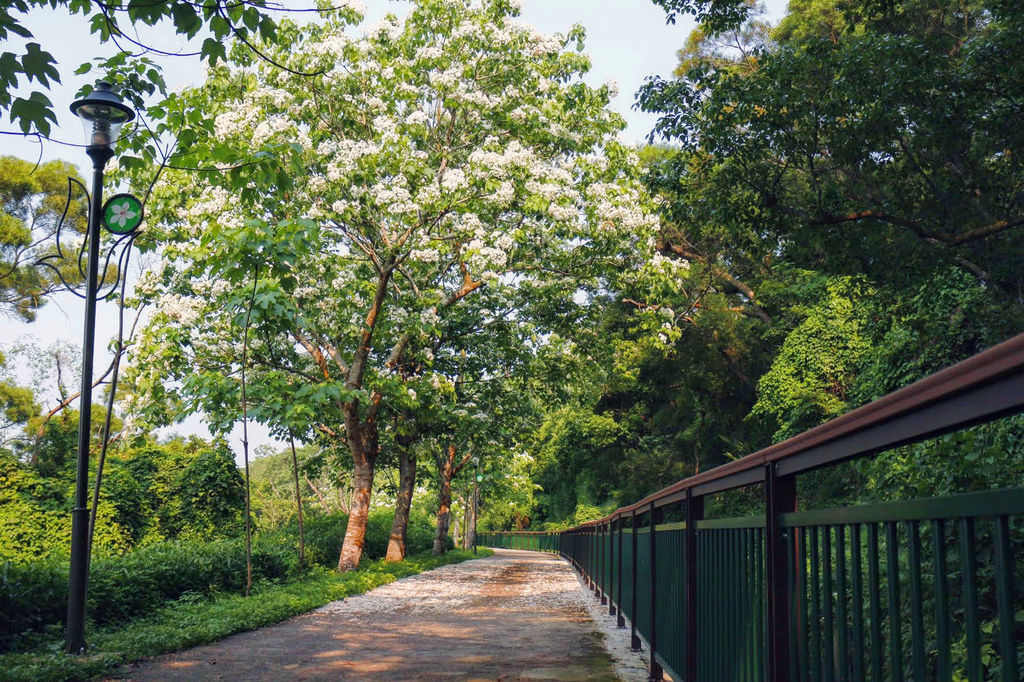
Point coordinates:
pixel 122 213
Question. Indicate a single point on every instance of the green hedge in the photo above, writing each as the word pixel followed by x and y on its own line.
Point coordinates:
pixel 33 595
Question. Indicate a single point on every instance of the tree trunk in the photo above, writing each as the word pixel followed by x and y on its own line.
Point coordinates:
pixel 444 507
pixel 403 502
pixel 355 532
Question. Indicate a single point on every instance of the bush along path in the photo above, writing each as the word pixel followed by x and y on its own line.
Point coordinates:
pixel 515 615
pixel 195 618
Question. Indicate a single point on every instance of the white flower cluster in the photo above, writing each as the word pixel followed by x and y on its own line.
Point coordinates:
pixel 454 179
pixel 491 163
pixel 387 26
pixel 343 155
pixel 428 52
pixel 234 121
pixel 332 45
pixel 417 118
pixel 425 255
pixel 180 309
pixel 270 127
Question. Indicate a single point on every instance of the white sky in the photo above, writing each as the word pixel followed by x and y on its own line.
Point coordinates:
pixel 627 41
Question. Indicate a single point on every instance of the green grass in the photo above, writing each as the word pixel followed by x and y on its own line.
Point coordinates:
pixel 198 619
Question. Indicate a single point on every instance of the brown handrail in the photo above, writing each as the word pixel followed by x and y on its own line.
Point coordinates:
pixel 981 388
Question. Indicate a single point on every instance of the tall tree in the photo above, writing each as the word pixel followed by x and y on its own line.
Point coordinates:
pixel 428 162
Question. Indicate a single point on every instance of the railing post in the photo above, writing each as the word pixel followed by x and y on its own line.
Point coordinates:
pixel 611 558
pixel 634 641
pixel 611 572
pixel 656 672
pixel 694 513
pixel 620 618
pixel 780 498
pixel 589 539
pixel 602 567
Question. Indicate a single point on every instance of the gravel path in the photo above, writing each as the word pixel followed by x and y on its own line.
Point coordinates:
pixel 513 616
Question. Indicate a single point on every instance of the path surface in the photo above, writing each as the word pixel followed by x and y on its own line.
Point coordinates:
pixel 514 616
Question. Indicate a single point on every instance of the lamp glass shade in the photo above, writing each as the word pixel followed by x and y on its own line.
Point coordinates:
pixel 102 114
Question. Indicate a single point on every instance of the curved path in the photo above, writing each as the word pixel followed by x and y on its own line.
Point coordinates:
pixel 514 616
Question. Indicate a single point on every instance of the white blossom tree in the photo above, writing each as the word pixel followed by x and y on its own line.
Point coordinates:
pixel 364 197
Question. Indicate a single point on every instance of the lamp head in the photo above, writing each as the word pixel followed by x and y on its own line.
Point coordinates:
pixel 102 113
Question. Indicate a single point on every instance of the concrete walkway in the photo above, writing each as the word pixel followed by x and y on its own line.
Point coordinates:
pixel 514 616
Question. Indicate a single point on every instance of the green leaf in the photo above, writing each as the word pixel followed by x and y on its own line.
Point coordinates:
pixel 39 65
pixel 213 50
pixel 186 19
pixel 34 112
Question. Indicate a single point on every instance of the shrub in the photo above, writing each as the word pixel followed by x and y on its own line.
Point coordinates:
pixel 33 594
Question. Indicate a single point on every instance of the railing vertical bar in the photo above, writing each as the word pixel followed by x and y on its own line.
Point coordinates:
pixel 620 619
pixel 943 670
pixel 742 614
pixel 893 593
pixel 807 625
pixel 841 611
pixel 916 600
pixel 602 568
pixel 725 597
pixel 815 608
pixel 612 578
pixel 701 634
pixel 794 609
pixel 694 512
pixel 655 672
pixel 969 570
pixel 827 603
pixel 780 498
pixel 761 596
pixel 714 587
pixel 874 595
pixel 634 641
pixel 857 587
pixel 751 586
pixel 734 635
pixel 1004 599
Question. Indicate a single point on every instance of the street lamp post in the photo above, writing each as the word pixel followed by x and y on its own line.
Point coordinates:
pixel 102 114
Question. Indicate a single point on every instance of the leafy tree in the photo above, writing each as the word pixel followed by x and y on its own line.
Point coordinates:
pixel 455 157
pixel 33 199
pixel 841 145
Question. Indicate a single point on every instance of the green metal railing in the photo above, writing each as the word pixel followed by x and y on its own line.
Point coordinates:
pixel 917 590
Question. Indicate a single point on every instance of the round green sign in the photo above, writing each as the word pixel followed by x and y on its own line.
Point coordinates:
pixel 122 213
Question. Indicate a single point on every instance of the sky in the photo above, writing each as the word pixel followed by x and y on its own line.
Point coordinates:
pixel 627 41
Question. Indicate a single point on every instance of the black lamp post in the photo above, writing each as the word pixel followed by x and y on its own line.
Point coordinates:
pixel 102 113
